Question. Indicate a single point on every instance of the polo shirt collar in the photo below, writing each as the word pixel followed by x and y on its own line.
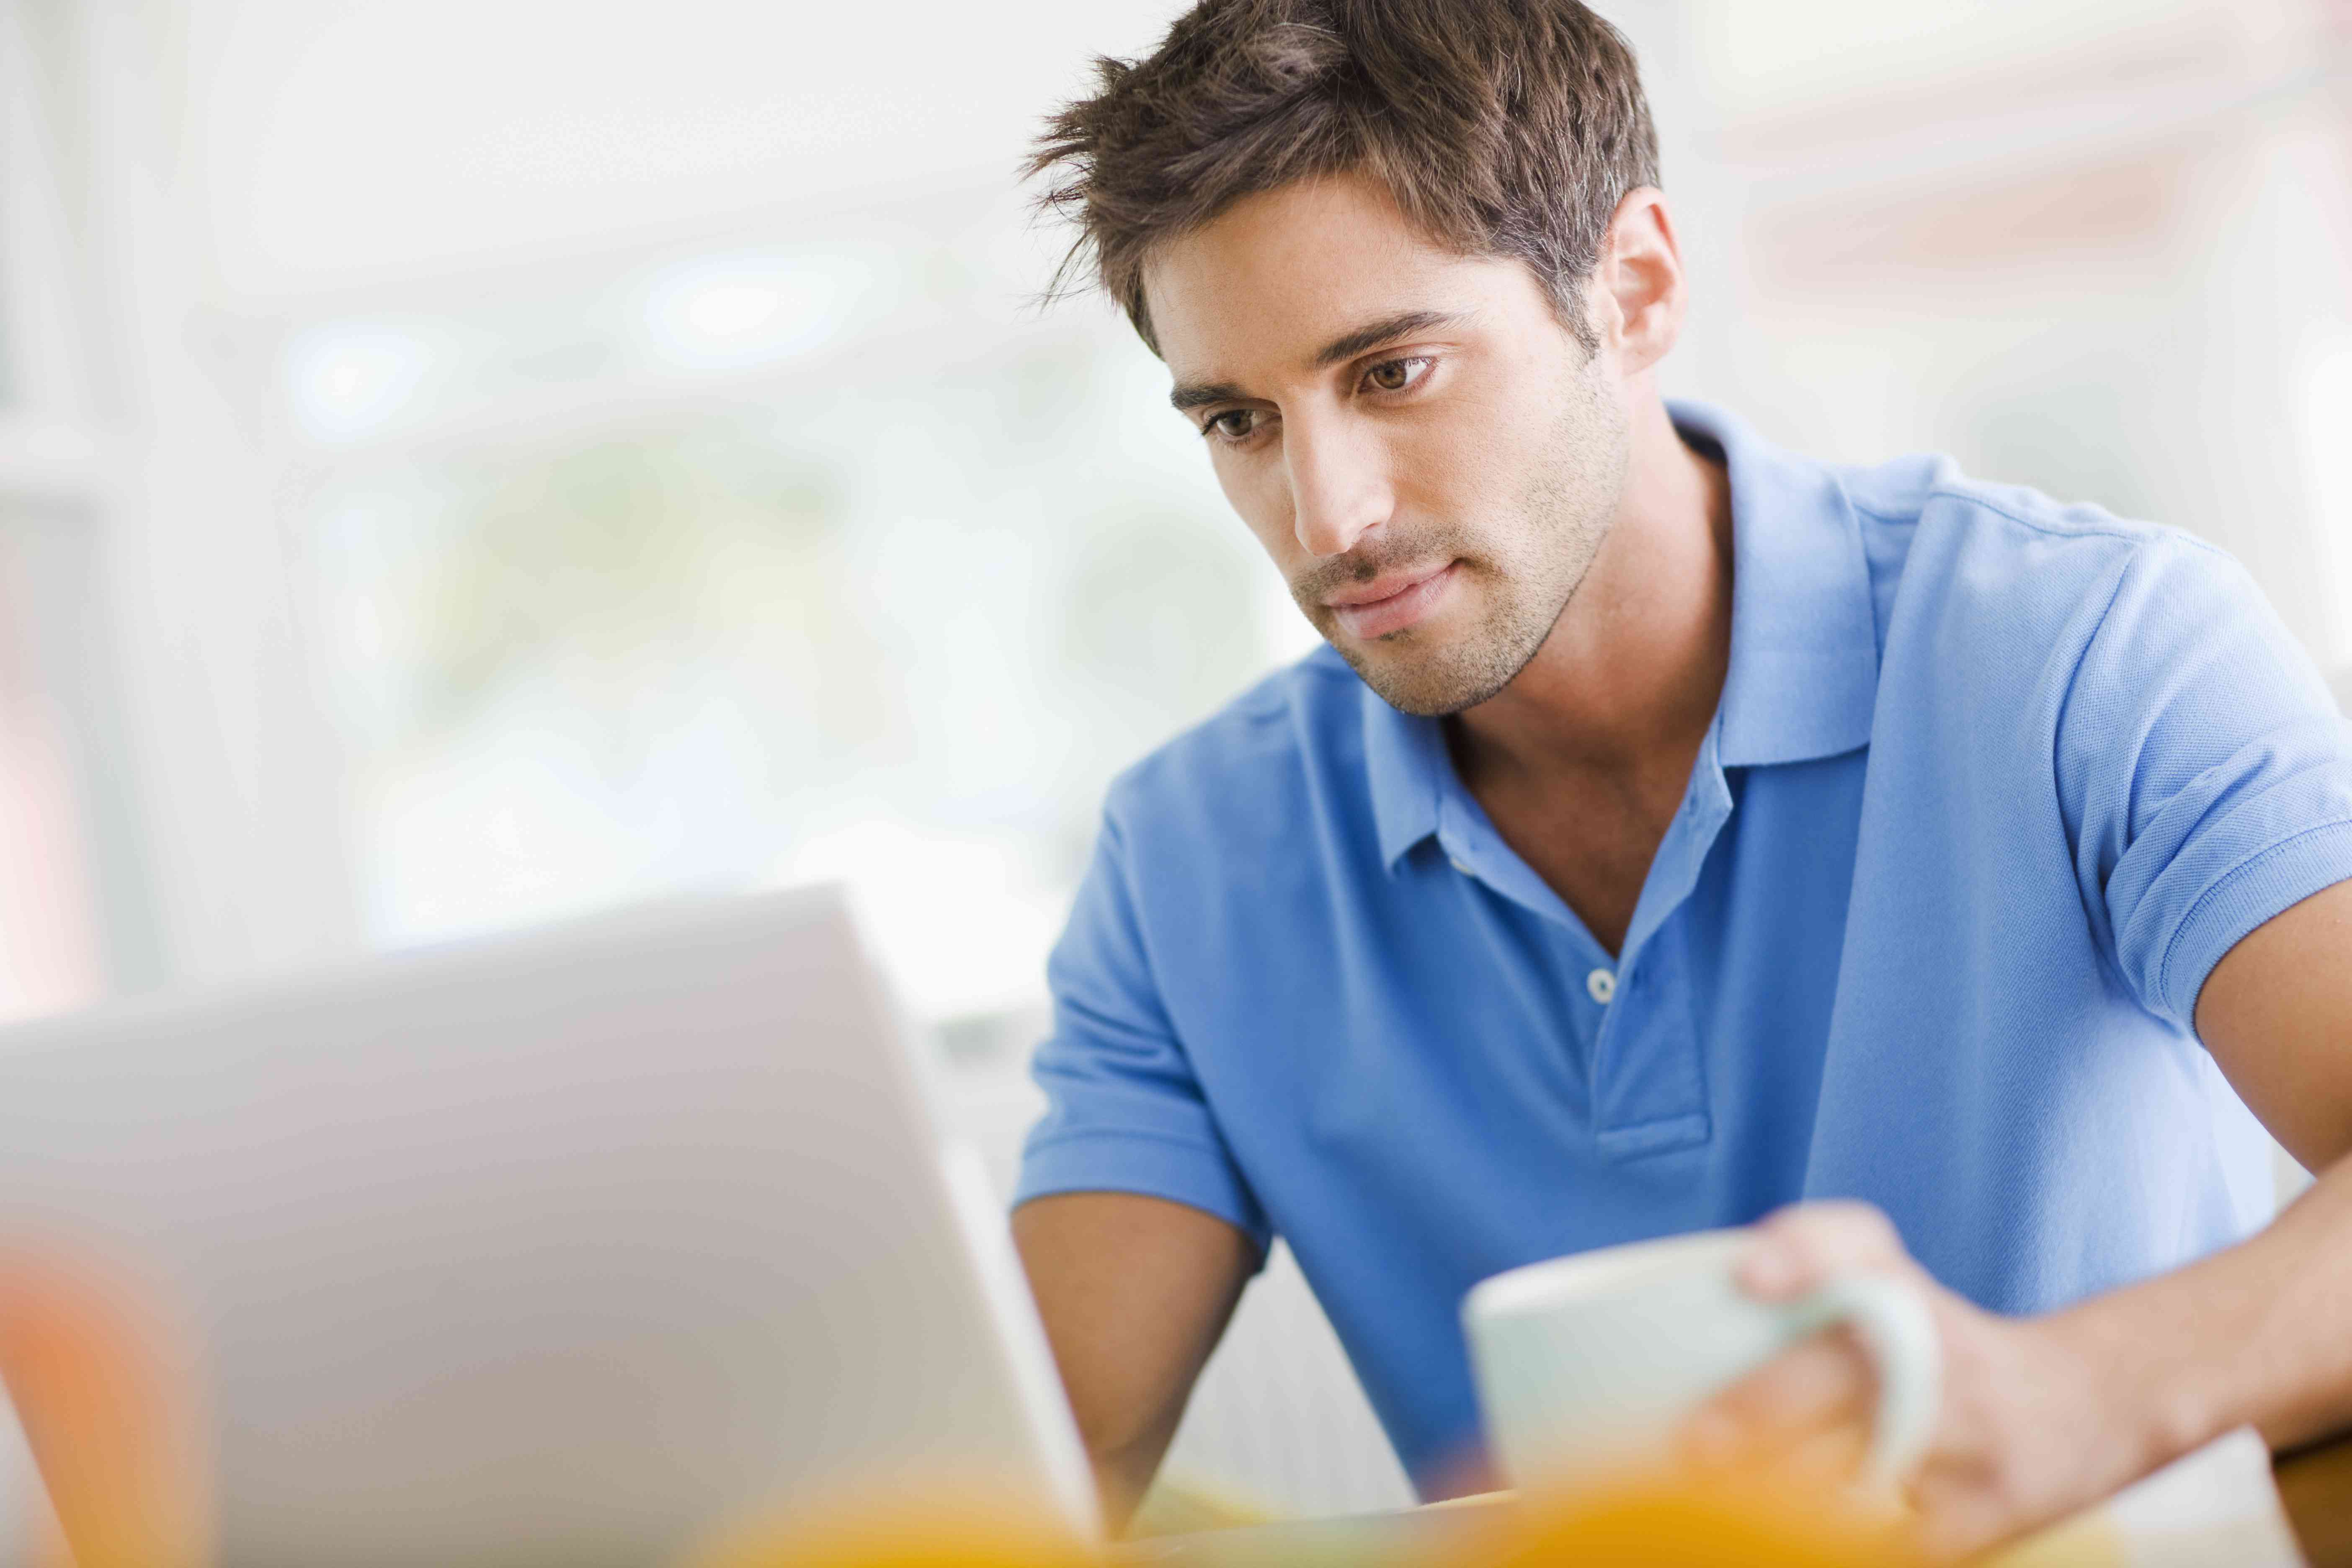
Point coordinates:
pixel 1410 770
pixel 1804 676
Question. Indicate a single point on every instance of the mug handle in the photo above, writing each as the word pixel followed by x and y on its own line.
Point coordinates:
pixel 1895 1328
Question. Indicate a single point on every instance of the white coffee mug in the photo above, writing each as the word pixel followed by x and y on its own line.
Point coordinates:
pixel 1591 1362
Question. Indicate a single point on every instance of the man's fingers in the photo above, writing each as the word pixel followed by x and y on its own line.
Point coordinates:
pixel 1823 1383
pixel 1804 1246
pixel 1826 1459
pixel 1957 1523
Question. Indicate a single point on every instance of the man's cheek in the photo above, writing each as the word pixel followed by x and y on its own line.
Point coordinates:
pixel 1268 519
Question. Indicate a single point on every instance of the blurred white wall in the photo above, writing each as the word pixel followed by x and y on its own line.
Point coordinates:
pixel 463 463
pixel 2103 249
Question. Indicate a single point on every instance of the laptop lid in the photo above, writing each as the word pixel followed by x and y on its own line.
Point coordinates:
pixel 569 1247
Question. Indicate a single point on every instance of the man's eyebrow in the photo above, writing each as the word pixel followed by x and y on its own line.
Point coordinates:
pixel 1387 330
pixel 1186 398
pixel 1398 326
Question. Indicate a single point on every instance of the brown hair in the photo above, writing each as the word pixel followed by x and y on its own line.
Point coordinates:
pixel 1506 127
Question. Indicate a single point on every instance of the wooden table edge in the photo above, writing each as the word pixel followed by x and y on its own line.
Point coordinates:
pixel 2316 1487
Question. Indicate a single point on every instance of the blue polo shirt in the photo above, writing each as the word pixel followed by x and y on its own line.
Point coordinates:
pixel 1993 784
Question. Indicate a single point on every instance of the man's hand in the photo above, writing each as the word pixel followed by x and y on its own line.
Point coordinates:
pixel 2045 1415
pixel 2034 1424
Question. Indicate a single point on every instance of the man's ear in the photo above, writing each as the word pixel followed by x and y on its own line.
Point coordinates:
pixel 1639 293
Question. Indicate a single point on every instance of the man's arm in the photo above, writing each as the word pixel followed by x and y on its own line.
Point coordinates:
pixel 2277 1016
pixel 1135 1292
pixel 2044 1415
pixel 2276 1013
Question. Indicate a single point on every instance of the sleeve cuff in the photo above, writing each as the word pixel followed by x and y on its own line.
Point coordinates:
pixel 2252 894
pixel 1152 1165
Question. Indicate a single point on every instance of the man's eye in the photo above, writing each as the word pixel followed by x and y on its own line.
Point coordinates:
pixel 1396 374
pixel 1232 424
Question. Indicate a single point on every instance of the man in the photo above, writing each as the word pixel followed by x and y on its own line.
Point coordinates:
pixel 1675 831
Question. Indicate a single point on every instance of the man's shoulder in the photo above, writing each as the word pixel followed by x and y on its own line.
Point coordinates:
pixel 1250 754
pixel 1990 516
pixel 1942 543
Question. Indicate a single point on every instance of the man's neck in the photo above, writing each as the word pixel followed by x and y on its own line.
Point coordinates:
pixel 1630 676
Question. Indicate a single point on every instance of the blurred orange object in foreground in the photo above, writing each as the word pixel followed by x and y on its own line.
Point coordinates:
pixel 1683 1521
pixel 941 1529
pixel 109 1425
pixel 1663 1522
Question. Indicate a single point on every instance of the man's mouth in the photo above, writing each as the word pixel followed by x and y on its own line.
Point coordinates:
pixel 1391 602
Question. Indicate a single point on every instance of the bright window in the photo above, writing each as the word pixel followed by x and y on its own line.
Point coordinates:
pixel 827 558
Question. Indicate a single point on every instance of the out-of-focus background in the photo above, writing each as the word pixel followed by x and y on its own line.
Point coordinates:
pixel 467 464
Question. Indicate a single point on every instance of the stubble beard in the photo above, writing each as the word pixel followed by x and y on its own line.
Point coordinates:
pixel 1530 571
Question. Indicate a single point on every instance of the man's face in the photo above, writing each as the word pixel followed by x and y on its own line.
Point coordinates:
pixel 1430 456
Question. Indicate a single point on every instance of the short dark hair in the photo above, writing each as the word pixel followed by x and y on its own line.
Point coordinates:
pixel 1507 128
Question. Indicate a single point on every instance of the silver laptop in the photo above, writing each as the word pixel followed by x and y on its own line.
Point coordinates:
pixel 564 1249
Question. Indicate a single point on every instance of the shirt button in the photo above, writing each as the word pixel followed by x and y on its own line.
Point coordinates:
pixel 1461 866
pixel 1602 984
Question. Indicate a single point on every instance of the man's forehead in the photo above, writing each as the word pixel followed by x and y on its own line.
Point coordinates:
pixel 1293 266
pixel 1292 286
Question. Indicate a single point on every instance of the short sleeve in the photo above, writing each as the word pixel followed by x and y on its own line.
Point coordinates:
pixel 1125 1112
pixel 2204 770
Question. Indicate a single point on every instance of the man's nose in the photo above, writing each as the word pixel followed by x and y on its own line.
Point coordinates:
pixel 1339 486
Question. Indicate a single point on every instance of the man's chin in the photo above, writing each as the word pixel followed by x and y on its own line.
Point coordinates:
pixel 1425 681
